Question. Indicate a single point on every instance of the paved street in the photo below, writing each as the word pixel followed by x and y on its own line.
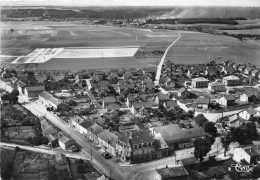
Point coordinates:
pixel 108 167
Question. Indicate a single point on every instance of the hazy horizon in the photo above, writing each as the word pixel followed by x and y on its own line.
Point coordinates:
pixel 148 3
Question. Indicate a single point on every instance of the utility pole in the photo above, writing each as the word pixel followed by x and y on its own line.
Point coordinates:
pixel 110 174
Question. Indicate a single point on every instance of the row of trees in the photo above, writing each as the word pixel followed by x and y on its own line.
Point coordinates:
pixel 11 97
pixel 192 21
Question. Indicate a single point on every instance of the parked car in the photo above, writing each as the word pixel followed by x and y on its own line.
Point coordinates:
pixel 106 155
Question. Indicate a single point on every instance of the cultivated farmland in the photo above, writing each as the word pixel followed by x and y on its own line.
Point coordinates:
pixel 78 46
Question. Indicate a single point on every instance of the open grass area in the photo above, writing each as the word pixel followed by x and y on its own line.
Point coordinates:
pixel 199 48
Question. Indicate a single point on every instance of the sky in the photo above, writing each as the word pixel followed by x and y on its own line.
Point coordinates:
pixel 237 3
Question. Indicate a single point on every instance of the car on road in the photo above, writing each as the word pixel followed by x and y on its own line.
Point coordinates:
pixel 106 155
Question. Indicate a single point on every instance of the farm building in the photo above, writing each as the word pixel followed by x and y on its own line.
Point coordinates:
pixel 49 101
pixel 33 92
pixel 65 142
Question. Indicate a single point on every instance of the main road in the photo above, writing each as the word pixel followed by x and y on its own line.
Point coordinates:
pixel 159 68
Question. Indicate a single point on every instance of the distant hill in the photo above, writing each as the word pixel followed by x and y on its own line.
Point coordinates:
pixel 130 12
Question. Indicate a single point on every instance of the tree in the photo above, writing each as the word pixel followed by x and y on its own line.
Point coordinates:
pixel 244 134
pixel 201 120
pixel 7 172
pixel 14 96
pixel 209 127
pixel 202 147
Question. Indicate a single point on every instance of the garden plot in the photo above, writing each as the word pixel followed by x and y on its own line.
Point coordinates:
pixel 97 53
pixel 39 55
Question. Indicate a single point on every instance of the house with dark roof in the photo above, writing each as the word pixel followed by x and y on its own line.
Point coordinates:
pixel 135 147
pixel 241 67
pixel 247 113
pixel 248 97
pixel 107 141
pixel 202 103
pixel 33 92
pixel 65 142
pixel 255 72
pixel 108 100
pixel 141 108
pixel 48 100
pixel 162 98
pixel 76 121
pixel 228 69
pixel 169 105
pixel 113 107
pixel 183 93
pixel 174 173
pixel 177 137
pixel 227 100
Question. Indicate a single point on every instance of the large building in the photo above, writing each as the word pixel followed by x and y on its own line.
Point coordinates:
pixel 177 137
pixel 48 100
pixel 200 82
pixel 136 146
pixel 231 81
pixel 33 92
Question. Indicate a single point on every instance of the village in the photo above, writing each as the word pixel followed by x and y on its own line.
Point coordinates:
pixel 136 116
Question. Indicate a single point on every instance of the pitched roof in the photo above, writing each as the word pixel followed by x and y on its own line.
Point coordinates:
pixel 182 90
pixel 163 97
pixel 172 172
pixel 35 88
pixel 173 132
pixel 64 139
pixel 113 106
pixel 217 84
pixel 49 97
pixel 95 129
pixel 251 111
pixel 200 79
pixel 203 100
pixel 232 77
pixel 109 99
pixel 229 97
pixel 171 103
pixel 136 137
pixel 109 137
pixel 78 119
pixel 86 124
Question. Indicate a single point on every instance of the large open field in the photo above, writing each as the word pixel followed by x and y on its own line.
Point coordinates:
pixel 59 45
pixel 194 48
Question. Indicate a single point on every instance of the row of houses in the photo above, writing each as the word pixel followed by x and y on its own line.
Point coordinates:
pixel 138 145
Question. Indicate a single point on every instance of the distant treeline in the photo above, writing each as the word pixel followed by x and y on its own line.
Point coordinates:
pixel 195 21
pixel 83 13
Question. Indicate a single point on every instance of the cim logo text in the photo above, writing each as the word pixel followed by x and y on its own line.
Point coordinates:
pixel 243 168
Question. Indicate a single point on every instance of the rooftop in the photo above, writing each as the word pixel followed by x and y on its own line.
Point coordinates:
pixel 199 79
pixel 172 172
pixel 173 132
pixel 232 77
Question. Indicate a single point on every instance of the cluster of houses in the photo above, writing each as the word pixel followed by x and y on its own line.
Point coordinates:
pixel 184 169
pixel 139 145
